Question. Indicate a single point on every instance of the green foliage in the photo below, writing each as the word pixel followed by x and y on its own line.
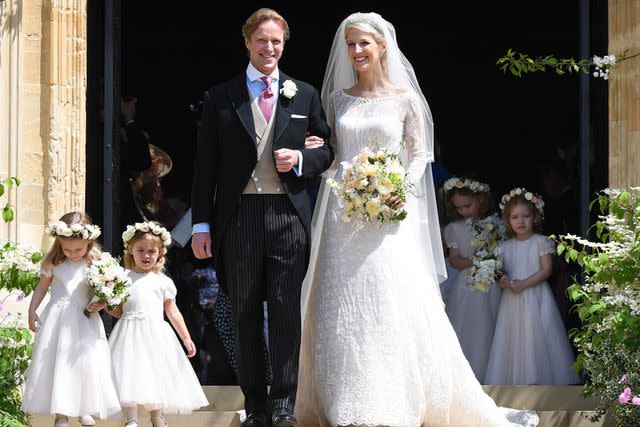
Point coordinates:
pixel 519 64
pixel 19 267
pixel 15 353
pixel 7 210
pixel 607 299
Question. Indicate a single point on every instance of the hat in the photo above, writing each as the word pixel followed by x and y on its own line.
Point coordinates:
pixel 161 163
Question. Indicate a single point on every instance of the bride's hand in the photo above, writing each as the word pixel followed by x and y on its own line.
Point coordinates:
pixel 395 202
pixel 313 141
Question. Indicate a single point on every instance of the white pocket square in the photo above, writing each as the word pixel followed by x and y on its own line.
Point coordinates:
pixel 298 116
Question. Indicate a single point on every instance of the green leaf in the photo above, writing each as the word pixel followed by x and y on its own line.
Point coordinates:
pixel 1 189
pixel 596 340
pixel 560 248
pixel 573 254
pixel 603 258
pixel 624 197
pixel 7 213
pixel 584 313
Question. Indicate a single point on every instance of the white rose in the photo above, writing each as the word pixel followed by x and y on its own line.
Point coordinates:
pixel 289 89
pixel 76 227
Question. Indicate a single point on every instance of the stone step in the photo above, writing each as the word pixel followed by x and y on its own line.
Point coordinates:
pixel 557 406
pixel 571 419
pixel 196 419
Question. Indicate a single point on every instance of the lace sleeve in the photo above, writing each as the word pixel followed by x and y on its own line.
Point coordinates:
pixel 331 120
pixel 414 139
pixel 545 246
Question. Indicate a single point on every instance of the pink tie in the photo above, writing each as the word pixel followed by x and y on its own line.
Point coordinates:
pixel 265 101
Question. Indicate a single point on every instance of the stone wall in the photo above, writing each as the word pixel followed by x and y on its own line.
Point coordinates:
pixel 42 112
pixel 624 95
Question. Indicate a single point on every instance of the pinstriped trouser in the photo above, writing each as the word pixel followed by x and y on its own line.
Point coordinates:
pixel 265 249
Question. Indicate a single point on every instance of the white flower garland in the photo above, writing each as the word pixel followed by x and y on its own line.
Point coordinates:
pixel 147 227
pixel 528 195
pixel 79 231
pixel 471 184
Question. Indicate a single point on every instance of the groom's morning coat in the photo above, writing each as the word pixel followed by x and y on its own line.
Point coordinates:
pixel 227 154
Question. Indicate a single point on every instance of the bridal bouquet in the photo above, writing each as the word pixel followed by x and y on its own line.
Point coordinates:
pixel 367 184
pixel 487 266
pixel 108 280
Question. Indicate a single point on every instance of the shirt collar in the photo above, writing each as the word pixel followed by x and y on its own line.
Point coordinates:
pixel 253 74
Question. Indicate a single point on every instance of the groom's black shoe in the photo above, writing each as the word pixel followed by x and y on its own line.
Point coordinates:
pixel 254 421
pixel 283 418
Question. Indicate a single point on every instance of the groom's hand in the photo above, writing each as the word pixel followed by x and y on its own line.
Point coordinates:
pixel 286 159
pixel 201 245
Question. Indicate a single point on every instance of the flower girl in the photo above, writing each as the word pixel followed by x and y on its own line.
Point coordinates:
pixel 70 370
pixel 530 344
pixel 474 297
pixel 149 365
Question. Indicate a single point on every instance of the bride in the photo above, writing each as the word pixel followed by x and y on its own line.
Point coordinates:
pixel 377 346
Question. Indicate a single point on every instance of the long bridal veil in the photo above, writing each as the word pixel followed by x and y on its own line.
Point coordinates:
pixel 339 74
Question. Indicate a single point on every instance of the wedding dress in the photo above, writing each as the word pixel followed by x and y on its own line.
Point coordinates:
pixel 377 346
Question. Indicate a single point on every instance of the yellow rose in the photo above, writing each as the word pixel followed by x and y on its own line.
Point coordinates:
pixel 384 186
pixel 373 207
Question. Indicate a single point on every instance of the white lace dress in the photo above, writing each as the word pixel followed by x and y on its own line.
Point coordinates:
pixel 377 346
pixel 530 344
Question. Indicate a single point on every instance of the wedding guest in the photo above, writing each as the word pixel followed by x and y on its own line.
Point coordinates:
pixel 150 368
pixel 70 370
pixel 530 344
pixel 472 307
pixel 134 158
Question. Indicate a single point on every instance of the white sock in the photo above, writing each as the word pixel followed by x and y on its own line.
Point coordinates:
pixel 130 413
pixel 156 415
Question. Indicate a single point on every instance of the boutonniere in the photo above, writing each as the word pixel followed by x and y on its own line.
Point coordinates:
pixel 289 89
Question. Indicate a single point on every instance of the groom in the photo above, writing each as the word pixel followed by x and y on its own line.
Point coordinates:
pixel 251 209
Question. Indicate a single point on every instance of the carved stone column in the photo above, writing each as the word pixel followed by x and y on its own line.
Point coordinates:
pixel 624 95
pixel 64 77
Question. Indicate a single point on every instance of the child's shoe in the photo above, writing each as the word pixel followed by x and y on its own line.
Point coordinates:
pixel 61 421
pixel 158 422
pixel 131 423
pixel 87 420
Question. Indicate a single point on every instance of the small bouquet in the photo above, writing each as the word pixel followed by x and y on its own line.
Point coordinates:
pixel 109 281
pixel 487 266
pixel 368 183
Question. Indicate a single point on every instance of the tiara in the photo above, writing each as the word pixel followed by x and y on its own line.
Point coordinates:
pixel 147 227
pixel 471 184
pixel 371 18
pixel 79 231
pixel 535 199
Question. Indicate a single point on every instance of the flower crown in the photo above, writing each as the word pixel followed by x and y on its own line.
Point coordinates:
pixel 472 185
pixel 147 227
pixel 80 231
pixel 528 195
